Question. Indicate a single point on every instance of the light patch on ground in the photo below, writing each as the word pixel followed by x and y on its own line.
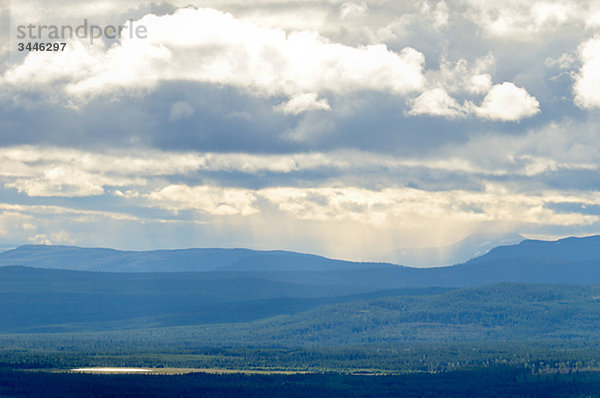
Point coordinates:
pixel 111 370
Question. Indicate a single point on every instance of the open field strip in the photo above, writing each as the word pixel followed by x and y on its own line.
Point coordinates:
pixel 177 371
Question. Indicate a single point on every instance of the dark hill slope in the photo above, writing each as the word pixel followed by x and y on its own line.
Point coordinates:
pixel 45 299
pixel 502 312
pixel 568 249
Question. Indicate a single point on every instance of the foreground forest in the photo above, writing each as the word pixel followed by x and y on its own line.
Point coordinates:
pixel 497 382
pixel 506 339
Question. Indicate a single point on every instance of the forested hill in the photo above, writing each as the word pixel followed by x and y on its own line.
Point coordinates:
pixel 568 249
pixel 253 311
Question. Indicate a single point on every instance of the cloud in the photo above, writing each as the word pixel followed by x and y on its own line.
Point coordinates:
pixel 507 102
pixel 522 20
pixel 594 20
pixel 350 10
pixel 389 208
pixel 303 103
pixel 31 11
pixel 57 237
pixel 587 81
pixel 74 225
pixel 439 13
pixel 209 46
pixel 120 168
pixel 58 182
pixel 205 199
pixel 462 76
pixel 564 62
pixel 55 172
pixel 502 102
pixel 548 13
pixel 436 102
pixel 40 239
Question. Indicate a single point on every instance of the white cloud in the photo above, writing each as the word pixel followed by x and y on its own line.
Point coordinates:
pixel 59 237
pixel 546 13
pixel 33 11
pixel 206 45
pixel 314 17
pixel 28 227
pixel 523 20
pixel 47 171
pixel 479 83
pixel 594 20
pixel 206 199
pixel 390 208
pixel 564 62
pixel 462 77
pixel 63 179
pixel 403 208
pixel 12 221
pixel 504 102
pixel 40 239
pixel 303 103
pixel 349 10
pixel 440 14
pixel 121 168
pixel 587 81
pixel 56 186
pixel 30 212
pixel 60 177
pixel 507 102
pixel 436 102
pixel 453 77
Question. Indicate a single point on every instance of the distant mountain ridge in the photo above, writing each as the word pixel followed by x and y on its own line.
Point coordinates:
pixel 569 260
pixel 179 260
pixel 571 249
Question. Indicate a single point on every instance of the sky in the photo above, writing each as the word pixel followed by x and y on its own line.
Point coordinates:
pixel 349 129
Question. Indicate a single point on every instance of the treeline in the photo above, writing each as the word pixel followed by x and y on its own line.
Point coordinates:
pixel 535 358
pixel 495 382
